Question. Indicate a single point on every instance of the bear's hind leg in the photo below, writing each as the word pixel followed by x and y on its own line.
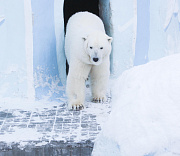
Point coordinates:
pixel 99 88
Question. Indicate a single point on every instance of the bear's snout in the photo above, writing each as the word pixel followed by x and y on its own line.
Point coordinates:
pixel 95 59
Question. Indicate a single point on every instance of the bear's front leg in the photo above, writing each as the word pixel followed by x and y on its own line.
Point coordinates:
pixel 75 88
pixel 99 81
pixel 75 92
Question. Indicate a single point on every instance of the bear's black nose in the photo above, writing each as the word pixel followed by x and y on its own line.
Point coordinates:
pixel 95 59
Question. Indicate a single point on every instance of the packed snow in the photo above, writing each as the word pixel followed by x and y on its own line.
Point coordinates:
pixel 145 117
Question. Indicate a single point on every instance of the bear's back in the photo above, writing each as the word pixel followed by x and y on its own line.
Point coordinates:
pixel 83 21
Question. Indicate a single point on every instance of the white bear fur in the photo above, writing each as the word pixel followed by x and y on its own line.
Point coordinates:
pixel 86 39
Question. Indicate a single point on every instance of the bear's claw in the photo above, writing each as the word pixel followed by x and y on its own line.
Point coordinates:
pixel 77 107
pixel 99 99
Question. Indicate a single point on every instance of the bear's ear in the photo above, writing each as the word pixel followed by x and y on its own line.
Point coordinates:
pixel 84 38
pixel 109 39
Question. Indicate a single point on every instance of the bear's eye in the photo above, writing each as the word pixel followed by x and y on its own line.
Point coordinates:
pixel 101 47
pixel 90 47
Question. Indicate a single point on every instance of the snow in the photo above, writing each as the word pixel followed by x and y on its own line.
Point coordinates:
pixel 95 114
pixel 8 103
pixel 145 117
pixel 21 135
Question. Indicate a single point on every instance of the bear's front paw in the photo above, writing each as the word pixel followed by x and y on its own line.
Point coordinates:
pixel 99 99
pixel 75 106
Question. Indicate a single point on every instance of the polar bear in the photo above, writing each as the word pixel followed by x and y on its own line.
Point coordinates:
pixel 87 49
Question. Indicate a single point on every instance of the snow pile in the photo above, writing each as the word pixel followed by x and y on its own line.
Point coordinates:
pixel 145 117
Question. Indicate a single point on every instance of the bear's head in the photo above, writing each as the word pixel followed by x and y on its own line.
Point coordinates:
pixel 97 45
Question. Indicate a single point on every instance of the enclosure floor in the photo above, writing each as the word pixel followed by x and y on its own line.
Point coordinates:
pixel 51 131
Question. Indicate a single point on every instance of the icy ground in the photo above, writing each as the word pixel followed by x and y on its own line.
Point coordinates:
pixel 145 116
pixel 40 122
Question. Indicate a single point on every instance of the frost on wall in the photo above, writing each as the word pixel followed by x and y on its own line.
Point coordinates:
pixel 172 10
pixel 164 28
pixel 13 63
pixel 47 40
pixel 124 22
pixel 172 26
pixel 143 33
pixel 2 19
pixel 59 33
